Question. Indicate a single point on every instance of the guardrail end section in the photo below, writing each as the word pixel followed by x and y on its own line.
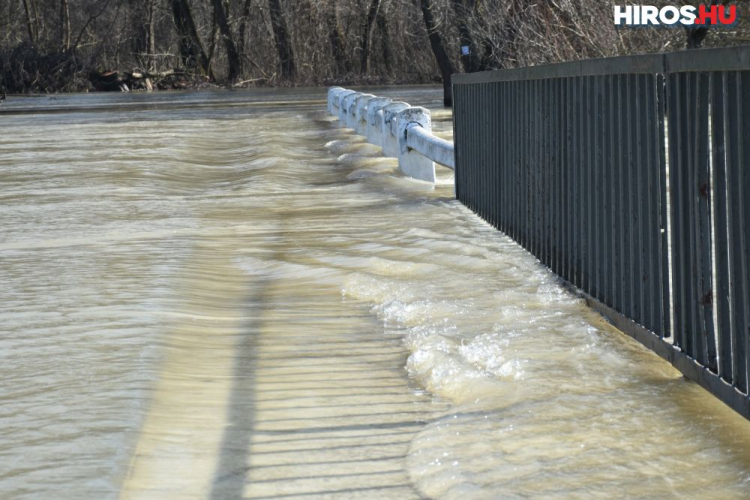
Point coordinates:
pixel 411 162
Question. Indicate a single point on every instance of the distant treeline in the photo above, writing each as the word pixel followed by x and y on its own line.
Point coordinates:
pixel 75 45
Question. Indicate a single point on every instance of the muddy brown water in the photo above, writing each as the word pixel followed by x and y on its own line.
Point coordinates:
pixel 224 295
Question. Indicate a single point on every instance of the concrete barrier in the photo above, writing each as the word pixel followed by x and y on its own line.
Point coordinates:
pixel 337 96
pixel 360 113
pixel 338 101
pixel 374 130
pixel 439 150
pixel 344 103
pixel 332 92
pixel 403 131
pixel 390 129
pixel 411 161
pixel 351 117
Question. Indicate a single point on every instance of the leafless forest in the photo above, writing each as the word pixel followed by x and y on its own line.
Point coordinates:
pixel 76 45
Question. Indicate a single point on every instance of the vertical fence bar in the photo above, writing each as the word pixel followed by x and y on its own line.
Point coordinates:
pixel 674 122
pixel 486 181
pixel 571 207
pixel 525 161
pixel 599 198
pixel 552 135
pixel 563 168
pixel 627 192
pixel 543 195
pixel 575 176
pixel 650 173
pixel 618 194
pixel 692 110
pixel 557 185
pixel 489 155
pixel 609 172
pixel 504 132
pixel 744 165
pixel 664 269
pixel 650 170
pixel 704 242
pixel 640 257
pixel 582 184
pixel 742 205
pixel 736 228
pixel 511 166
pixel 534 167
pixel 721 243
pixel 587 234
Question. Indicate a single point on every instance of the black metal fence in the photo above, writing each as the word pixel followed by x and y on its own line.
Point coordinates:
pixel 612 170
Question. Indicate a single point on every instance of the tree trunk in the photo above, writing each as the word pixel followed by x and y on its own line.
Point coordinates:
pixel 438 48
pixel 471 61
pixel 191 49
pixel 144 46
pixel 242 39
pixel 367 30
pixel 283 40
pixel 64 25
pixel 29 22
pixel 338 48
pixel 38 22
pixel 213 39
pixel 151 37
pixel 385 42
pixel 233 55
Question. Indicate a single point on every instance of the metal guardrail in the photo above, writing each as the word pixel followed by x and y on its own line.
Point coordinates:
pixel 403 131
pixel 613 171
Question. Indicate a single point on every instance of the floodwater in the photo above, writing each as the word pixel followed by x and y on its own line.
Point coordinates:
pixel 223 295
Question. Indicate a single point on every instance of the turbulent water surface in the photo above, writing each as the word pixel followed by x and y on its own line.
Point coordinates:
pixel 218 295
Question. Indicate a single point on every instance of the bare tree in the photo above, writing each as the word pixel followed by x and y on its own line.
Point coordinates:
pixel 30 24
pixel 55 45
pixel 367 29
pixel 191 49
pixel 234 60
pixel 385 42
pixel 242 39
pixel 464 11
pixel 438 49
pixel 64 25
pixel 336 39
pixel 283 41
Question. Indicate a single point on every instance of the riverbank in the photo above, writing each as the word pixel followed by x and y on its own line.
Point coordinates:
pixel 24 70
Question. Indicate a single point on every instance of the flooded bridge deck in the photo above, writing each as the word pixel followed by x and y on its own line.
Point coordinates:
pixel 223 295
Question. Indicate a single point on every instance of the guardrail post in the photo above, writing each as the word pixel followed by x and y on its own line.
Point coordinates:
pixel 338 100
pixel 411 162
pixel 332 92
pixel 346 99
pixel 374 129
pixel 360 110
pixel 351 117
pixel 389 132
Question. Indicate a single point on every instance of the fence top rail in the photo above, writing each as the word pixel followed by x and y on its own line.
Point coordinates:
pixel 722 59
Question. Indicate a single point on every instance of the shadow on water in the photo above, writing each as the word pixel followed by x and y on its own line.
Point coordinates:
pixel 235 460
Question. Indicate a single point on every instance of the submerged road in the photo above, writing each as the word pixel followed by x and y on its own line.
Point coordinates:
pixel 224 295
